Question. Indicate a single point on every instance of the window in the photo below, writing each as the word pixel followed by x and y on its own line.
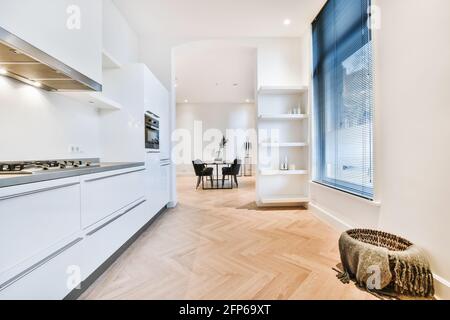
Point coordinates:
pixel 343 97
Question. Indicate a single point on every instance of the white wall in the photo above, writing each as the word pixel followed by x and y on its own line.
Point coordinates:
pixel 413 96
pixel 279 61
pixel 38 125
pixel 412 133
pixel 212 116
pixel 119 40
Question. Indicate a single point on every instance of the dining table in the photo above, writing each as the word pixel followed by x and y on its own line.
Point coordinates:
pixel 218 164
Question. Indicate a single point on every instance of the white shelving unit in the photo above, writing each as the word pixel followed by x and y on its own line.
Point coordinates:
pixel 288 199
pixel 282 90
pixel 267 172
pixel 284 133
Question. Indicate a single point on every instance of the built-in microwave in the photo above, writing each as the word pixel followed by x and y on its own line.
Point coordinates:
pixel 151 131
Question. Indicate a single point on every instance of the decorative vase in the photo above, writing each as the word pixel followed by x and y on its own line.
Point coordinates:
pixel 219 155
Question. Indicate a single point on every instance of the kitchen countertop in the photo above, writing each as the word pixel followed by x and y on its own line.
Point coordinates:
pixel 15 180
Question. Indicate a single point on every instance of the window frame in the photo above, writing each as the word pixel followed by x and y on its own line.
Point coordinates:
pixel 319 165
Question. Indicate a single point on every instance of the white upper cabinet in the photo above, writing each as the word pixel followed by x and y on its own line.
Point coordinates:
pixel 68 30
pixel 165 133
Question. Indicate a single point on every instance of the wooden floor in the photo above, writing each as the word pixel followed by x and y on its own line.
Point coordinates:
pixel 218 245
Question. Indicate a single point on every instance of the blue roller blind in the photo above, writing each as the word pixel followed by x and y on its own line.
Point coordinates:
pixel 343 97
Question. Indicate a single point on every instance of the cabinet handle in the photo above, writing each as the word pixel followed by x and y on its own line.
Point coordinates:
pixel 113 175
pixel 23 194
pixel 114 219
pixel 38 264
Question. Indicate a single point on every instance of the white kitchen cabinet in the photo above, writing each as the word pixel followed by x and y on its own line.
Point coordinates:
pixel 165 183
pixel 44 24
pixel 157 101
pixel 153 179
pixel 53 278
pixel 55 234
pixel 35 217
pixel 152 92
pixel 105 239
pixel 39 236
pixel 104 194
pixel 164 124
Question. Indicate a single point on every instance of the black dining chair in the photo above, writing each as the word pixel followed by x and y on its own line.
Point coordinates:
pixel 232 171
pixel 202 171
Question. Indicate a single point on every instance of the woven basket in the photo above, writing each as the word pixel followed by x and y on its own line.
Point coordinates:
pixel 404 266
pixel 380 239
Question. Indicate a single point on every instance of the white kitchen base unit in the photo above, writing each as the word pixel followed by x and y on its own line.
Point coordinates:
pixel 104 239
pixel 55 235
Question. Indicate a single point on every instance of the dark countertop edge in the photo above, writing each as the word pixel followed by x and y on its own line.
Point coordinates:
pixel 56 175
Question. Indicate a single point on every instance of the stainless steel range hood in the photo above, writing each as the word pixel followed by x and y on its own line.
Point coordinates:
pixel 24 62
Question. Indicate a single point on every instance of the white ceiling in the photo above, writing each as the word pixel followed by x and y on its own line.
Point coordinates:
pixel 165 24
pixel 219 73
pixel 219 18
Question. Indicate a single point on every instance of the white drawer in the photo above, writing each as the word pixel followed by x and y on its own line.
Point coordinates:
pixel 106 193
pixel 35 217
pixel 52 278
pixel 103 240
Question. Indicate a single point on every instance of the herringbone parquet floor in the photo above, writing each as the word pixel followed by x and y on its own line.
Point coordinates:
pixel 218 245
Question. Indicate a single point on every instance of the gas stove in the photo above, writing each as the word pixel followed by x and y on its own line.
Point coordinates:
pixel 31 167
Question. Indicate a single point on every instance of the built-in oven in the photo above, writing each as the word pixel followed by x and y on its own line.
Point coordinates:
pixel 151 131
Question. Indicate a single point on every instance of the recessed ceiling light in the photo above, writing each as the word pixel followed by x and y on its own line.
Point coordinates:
pixel 287 22
pixel 176 85
pixel 37 84
pixel 3 71
pixel 247 100
pixel 186 100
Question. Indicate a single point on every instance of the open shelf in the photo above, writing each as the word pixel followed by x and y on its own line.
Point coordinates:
pixel 283 89
pixel 283 116
pixel 95 99
pixel 109 62
pixel 284 145
pixel 280 199
pixel 267 172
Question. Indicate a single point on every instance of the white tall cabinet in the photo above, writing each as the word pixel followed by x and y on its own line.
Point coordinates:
pixel 284 138
pixel 159 173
